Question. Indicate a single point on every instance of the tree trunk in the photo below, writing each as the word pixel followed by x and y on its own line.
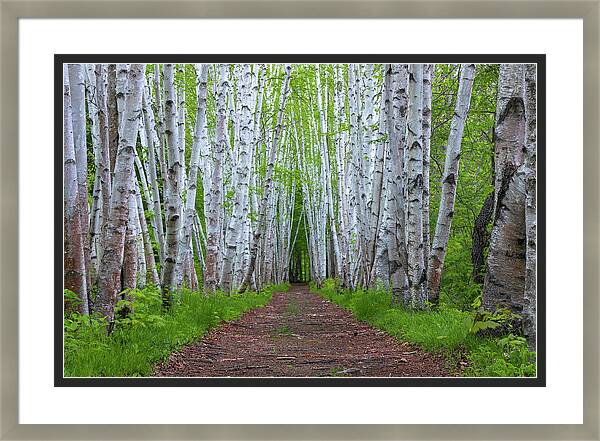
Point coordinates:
pixel 113 115
pixel 157 219
pixel 529 299
pixel 505 279
pixel 414 227
pixel 428 72
pixel 397 122
pixel 77 86
pixel 213 216
pixel 234 232
pixel 174 191
pixel 481 238
pixel 449 182
pixel 104 167
pixel 109 277
pixel 74 263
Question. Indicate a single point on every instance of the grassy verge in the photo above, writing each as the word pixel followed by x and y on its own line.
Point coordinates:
pixel 149 335
pixel 444 330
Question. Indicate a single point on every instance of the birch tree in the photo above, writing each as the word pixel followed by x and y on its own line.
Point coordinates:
pixel 414 227
pixel 213 215
pixel 78 114
pixel 397 125
pixel 234 232
pixel 74 263
pixel 109 277
pixel 449 183
pixel 505 280
pixel 428 71
pixel 153 148
pixel 174 181
pixel 530 294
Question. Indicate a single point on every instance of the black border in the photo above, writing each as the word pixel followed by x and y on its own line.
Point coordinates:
pixel 539 381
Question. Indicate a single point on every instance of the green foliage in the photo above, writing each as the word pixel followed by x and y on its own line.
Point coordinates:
pixel 445 330
pixel 485 320
pixel 506 357
pixel 148 334
pixel 458 289
pixel 71 297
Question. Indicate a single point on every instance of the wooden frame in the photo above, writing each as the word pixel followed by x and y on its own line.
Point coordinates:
pixel 11 11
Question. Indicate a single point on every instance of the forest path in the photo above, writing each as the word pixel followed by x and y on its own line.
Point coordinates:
pixel 299 334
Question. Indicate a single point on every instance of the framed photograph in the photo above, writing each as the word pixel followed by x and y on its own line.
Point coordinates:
pixel 325 222
pixel 291 281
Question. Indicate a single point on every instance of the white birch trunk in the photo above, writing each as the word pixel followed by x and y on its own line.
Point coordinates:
pixel 173 203
pixel 74 260
pixel 414 227
pixel 504 283
pixel 109 283
pixel 157 219
pixel 397 250
pixel 245 149
pixel 428 73
pixel 214 214
pixel 77 86
pixel 449 182
pixel 530 295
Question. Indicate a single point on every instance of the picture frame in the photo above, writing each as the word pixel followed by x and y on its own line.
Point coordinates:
pixel 12 11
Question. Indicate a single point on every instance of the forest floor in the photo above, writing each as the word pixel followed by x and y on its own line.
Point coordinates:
pixel 299 334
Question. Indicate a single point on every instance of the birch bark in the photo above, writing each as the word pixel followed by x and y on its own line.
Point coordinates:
pixel 95 218
pixel 157 219
pixel 104 157
pixel 214 213
pixel 376 244
pixel 77 87
pixel 505 279
pixel 428 72
pixel 397 250
pixel 113 115
pixel 173 202
pixel 74 263
pixel 414 228
pixel 449 182
pixel 109 278
pixel 529 298
pixel 242 175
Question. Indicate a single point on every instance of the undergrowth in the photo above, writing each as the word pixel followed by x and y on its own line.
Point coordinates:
pixel 446 330
pixel 148 335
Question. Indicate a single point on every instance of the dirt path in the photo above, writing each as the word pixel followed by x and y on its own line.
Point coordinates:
pixel 299 334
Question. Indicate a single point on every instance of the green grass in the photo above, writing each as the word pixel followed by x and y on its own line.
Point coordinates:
pixel 445 330
pixel 292 308
pixel 149 335
pixel 282 330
